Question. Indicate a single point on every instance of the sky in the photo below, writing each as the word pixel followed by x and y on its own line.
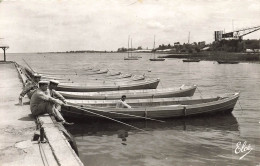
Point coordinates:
pixel 66 25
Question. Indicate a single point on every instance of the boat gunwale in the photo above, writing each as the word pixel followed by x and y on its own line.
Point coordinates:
pixel 177 99
pixel 142 82
pixel 132 92
pixel 228 101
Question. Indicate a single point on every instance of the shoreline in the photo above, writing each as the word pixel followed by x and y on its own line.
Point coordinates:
pixel 205 55
pixel 217 56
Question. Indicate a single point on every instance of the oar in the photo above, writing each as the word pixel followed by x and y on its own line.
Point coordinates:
pixel 130 115
pixel 108 118
pixel 28 65
pixel 59 74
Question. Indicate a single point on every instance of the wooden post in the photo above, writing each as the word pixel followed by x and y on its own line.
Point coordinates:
pixel 4 55
pixel 4 48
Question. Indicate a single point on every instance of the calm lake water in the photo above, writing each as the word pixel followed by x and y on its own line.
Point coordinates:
pixel 187 141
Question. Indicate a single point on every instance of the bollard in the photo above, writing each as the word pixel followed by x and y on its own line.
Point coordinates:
pixel 42 134
pixel 36 136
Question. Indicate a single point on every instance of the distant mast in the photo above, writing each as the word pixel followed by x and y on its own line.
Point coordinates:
pixel 232 25
pixel 131 47
pixel 154 47
pixel 128 46
pixel 155 59
pixel 189 38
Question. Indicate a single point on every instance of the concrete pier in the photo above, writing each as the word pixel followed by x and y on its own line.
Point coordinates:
pixel 17 127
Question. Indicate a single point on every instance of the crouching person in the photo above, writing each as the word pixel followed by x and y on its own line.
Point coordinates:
pixel 41 103
pixel 30 87
pixel 52 87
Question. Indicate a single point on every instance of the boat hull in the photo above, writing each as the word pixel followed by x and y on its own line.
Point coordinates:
pixel 148 84
pixel 227 62
pixel 191 60
pixel 150 102
pixel 225 105
pixel 132 94
pixel 157 59
pixel 131 58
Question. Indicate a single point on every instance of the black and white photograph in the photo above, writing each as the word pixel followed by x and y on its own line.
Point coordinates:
pixel 129 82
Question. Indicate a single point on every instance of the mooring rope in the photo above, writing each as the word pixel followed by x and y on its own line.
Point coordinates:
pixel 42 152
pixel 228 88
pixel 200 93
pixel 109 118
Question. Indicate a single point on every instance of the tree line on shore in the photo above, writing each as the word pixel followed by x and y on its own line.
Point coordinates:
pixel 223 45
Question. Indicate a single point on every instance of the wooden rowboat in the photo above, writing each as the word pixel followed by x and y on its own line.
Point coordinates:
pixel 148 102
pixel 114 76
pixel 228 62
pixel 223 104
pixel 105 71
pixel 117 80
pixel 182 91
pixel 191 60
pixel 99 82
pixel 117 76
pixel 131 58
pixel 138 102
pixel 157 59
pixel 145 84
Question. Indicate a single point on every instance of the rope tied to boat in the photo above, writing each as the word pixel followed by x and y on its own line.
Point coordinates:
pixel 200 93
pixel 43 155
pixel 228 88
pixel 100 115
pixel 42 140
pixel 240 106
pixel 161 84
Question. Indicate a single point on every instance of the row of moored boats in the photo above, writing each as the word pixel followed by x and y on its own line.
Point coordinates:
pixel 98 97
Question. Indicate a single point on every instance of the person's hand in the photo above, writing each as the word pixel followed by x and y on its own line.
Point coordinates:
pixel 66 123
pixel 58 102
pixel 20 97
pixel 65 102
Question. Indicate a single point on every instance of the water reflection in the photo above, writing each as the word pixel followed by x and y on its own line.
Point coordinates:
pixel 122 134
pixel 100 127
pixel 201 139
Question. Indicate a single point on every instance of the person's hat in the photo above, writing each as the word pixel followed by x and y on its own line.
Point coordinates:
pixel 54 82
pixel 43 82
pixel 37 75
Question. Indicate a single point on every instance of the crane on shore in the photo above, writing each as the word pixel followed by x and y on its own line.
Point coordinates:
pixel 235 34
pixel 239 34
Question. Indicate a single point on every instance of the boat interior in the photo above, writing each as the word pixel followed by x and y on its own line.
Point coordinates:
pixel 135 103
